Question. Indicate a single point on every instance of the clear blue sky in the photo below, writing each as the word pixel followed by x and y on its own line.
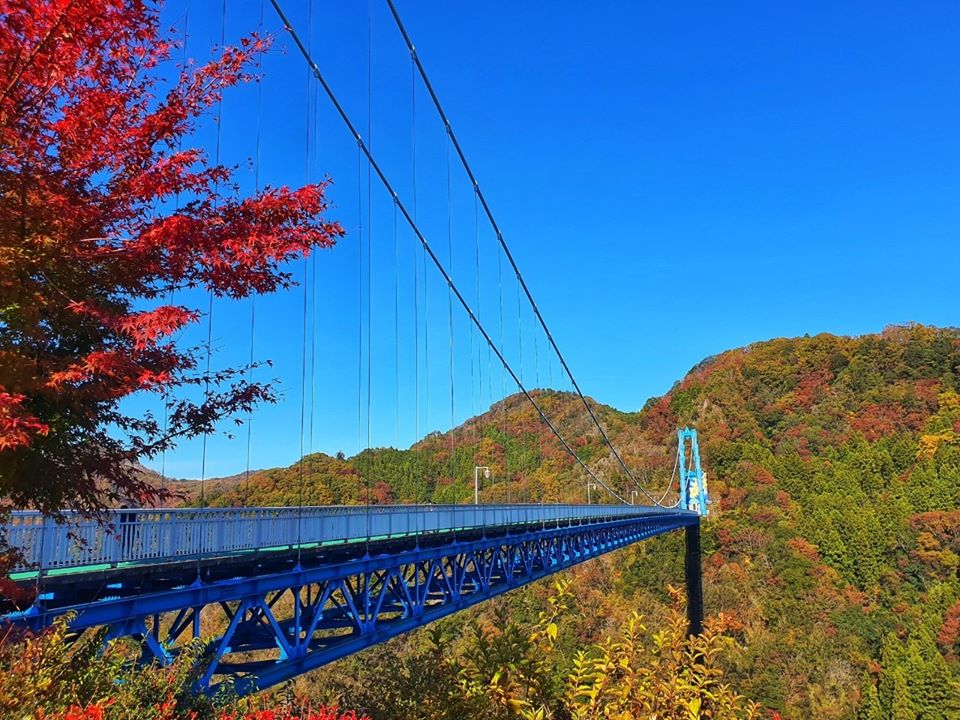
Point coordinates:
pixel 674 179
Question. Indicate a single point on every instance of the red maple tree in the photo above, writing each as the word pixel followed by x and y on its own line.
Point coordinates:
pixel 91 152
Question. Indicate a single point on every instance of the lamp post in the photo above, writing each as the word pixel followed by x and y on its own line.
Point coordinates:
pixel 633 497
pixel 589 486
pixel 476 481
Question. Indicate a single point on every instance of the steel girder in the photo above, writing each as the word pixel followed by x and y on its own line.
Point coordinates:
pixel 280 625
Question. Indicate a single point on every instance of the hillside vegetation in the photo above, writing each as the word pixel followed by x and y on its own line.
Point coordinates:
pixel 833 546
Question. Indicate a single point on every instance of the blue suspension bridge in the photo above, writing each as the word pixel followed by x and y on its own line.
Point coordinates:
pixel 293 588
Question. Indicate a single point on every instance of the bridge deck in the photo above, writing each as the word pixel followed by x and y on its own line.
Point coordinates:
pixel 135 537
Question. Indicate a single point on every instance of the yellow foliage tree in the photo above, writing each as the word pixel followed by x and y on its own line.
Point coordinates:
pixel 665 675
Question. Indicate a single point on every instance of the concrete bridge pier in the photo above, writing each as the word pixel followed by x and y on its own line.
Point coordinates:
pixel 694 579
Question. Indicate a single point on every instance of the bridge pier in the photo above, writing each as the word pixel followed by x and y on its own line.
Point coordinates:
pixel 694 579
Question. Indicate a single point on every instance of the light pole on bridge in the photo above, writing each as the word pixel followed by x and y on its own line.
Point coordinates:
pixel 476 481
pixel 589 486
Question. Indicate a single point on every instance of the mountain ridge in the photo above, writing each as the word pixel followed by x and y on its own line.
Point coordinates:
pixel 833 545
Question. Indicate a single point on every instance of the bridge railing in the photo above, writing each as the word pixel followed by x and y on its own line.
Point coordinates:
pixel 140 536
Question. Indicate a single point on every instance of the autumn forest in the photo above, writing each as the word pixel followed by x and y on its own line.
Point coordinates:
pixel 825 612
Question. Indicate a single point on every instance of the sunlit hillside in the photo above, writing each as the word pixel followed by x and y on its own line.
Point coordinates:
pixel 834 535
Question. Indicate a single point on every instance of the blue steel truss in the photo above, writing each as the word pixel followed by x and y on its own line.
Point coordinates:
pixel 292 613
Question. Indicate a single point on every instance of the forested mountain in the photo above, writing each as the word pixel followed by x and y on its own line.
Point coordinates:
pixel 526 461
pixel 833 545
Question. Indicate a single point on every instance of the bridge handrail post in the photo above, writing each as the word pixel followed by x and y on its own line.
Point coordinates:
pixel 46 546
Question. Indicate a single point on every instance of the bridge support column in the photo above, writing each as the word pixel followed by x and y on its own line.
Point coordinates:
pixel 694 578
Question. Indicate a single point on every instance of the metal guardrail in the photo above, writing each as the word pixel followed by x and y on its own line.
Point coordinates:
pixel 142 536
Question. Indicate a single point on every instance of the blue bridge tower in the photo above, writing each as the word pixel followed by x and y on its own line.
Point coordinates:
pixel 693 498
pixel 693 481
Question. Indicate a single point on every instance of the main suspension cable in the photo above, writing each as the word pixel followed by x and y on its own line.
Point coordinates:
pixel 428 250
pixel 503 244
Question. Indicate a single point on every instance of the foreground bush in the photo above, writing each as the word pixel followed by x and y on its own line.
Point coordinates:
pixel 529 669
pixel 506 668
pixel 639 673
pixel 53 676
pixel 285 712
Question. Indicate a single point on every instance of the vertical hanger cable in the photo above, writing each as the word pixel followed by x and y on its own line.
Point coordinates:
pixel 369 256
pixel 169 296
pixel 216 200
pixel 306 298
pixel 417 479
pixel 245 495
pixel 520 427
pixel 503 385
pixel 478 411
pixel 453 464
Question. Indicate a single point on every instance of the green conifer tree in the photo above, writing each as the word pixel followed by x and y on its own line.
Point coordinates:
pixel 890 658
pixel 869 708
pixel 937 698
pixel 901 708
